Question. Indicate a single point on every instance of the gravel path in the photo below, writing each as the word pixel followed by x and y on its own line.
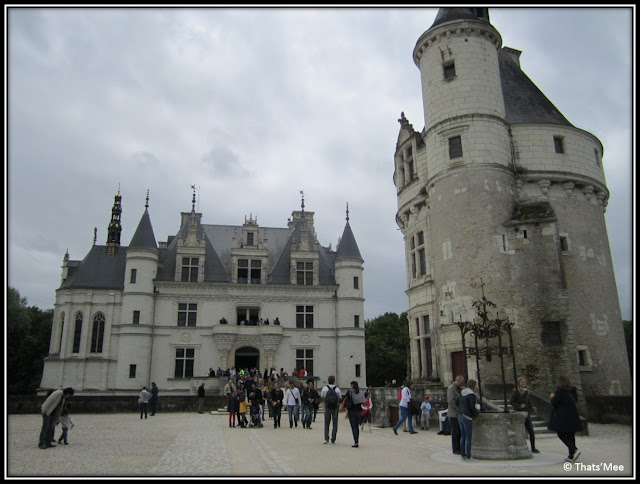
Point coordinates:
pixel 192 444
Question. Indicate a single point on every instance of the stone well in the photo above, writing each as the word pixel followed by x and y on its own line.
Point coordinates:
pixel 500 436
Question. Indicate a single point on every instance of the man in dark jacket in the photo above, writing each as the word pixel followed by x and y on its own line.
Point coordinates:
pixel 201 398
pixel 453 392
pixel 565 419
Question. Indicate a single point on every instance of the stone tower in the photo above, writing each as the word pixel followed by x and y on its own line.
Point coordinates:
pixel 500 187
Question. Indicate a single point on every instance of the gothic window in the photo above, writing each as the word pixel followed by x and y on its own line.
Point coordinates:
pixel 97 333
pixel 187 314
pixel 455 147
pixel 449 70
pixel 304 273
pixel 77 333
pixel 189 269
pixel 61 331
pixel 304 359
pixel 304 317
pixel 558 143
pixel 185 358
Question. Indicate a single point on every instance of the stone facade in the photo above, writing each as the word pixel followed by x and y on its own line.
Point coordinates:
pixel 211 296
pixel 499 192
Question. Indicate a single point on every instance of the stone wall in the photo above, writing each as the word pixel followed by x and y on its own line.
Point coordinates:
pixel 23 404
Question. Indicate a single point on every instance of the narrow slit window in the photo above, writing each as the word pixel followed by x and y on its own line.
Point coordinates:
pixel 558 142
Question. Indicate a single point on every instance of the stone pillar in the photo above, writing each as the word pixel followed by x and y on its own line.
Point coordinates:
pixel 500 436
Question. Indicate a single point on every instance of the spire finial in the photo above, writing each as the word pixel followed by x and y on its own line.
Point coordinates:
pixel 146 205
pixel 95 235
pixel 193 201
pixel 302 193
pixel 347 212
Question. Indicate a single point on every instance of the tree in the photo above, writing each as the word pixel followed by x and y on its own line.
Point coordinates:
pixel 28 335
pixel 386 348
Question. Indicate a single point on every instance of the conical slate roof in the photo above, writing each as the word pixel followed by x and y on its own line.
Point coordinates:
pixel 144 238
pixel 348 248
pixel 523 101
pixel 457 13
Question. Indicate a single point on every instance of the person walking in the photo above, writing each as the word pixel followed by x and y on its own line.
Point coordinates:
pixel 276 397
pixel 143 400
pixel 51 410
pixel 153 401
pixel 405 409
pixel 292 401
pixel 565 419
pixel 467 411
pixel 309 396
pixel 201 398
pixel 453 393
pixel 67 424
pixel 521 402
pixel 331 397
pixel 353 403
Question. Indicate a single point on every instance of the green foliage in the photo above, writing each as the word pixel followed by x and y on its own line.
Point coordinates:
pixel 386 343
pixel 28 336
pixel 628 337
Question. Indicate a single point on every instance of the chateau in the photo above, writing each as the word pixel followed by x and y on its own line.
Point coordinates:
pixel 212 295
pixel 501 193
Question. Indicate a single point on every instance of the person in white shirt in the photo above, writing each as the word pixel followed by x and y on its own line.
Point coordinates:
pixel 292 401
pixel 405 410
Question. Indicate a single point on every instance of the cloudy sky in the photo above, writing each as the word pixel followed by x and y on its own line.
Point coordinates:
pixel 253 106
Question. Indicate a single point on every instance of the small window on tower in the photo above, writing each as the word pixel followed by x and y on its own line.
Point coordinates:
pixel 449 70
pixel 455 147
pixel 558 142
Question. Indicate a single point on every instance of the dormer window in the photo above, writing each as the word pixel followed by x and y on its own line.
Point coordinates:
pixel 250 238
pixel 304 273
pixel 249 271
pixel 189 269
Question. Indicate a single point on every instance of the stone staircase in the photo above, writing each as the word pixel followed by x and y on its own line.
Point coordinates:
pixel 539 424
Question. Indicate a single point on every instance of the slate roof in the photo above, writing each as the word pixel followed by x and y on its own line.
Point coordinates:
pixel 348 248
pixel 457 13
pixel 97 270
pixel 523 101
pixel 143 238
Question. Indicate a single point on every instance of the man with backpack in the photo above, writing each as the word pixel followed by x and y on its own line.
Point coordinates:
pixel 331 398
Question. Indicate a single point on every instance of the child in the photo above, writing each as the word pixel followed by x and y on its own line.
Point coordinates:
pixel 426 412
pixel 66 423
pixel 365 416
pixel 242 411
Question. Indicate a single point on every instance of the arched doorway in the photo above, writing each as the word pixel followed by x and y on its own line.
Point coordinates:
pixel 247 357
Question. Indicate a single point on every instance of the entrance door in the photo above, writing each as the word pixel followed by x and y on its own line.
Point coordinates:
pixel 247 357
pixel 457 364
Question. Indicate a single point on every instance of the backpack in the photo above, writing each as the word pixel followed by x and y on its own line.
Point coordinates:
pixel 400 394
pixel 331 398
